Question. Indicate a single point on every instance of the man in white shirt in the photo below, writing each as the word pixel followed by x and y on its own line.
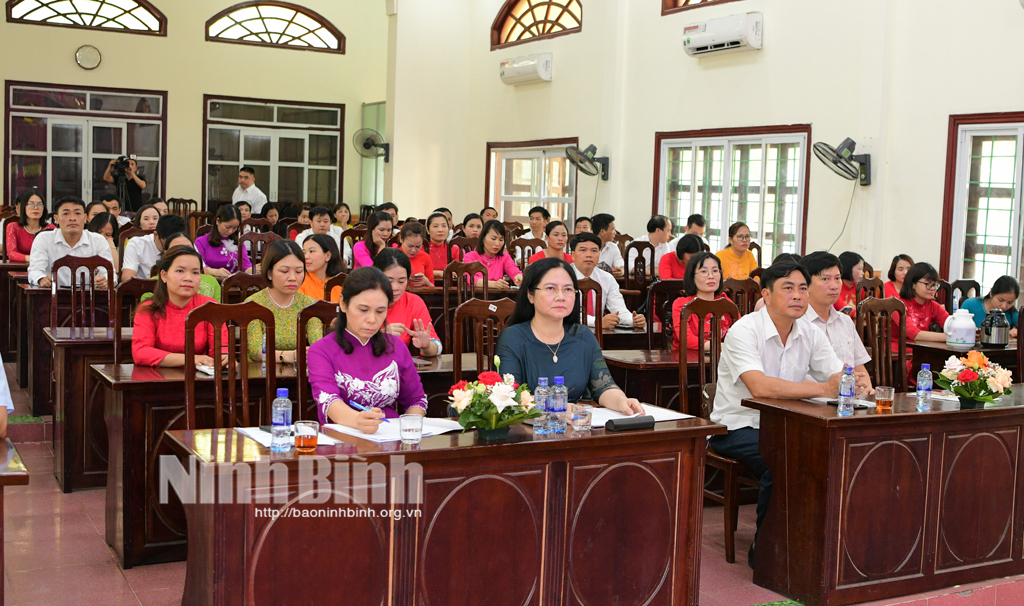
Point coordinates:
pixel 767 354
pixel 659 232
pixel 113 206
pixel 248 191
pixel 826 283
pixel 604 227
pixel 489 213
pixel 320 223
pixel 539 219
pixel 70 239
pixel 695 224
pixel 586 251
pixel 142 252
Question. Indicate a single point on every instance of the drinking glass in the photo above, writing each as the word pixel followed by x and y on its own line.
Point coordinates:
pixel 411 428
pixel 580 416
pixel 884 397
pixel 306 433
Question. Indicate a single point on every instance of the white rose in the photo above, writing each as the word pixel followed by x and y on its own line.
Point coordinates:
pixel 953 363
pixel 501 396
pixel 509 379
pixel 461 399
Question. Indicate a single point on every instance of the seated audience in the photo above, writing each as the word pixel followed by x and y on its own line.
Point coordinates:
pixel 767 354
pixel 673 266
pixel 659 232
pixel 583 224
pixel 408 317
pixel 778 259
pixel 918 294
pixel 301 218
pixel 502 271
pixel 105 224
pixel 31 221
pixel 901 264
pixel 472 225
pixel 69 239
pixel 343 216
pixel 146 218
pixel 142 252
pixel 447 215
pixel 93 209
pixel 557 238
pixel 410 241
pixel 1002 296
pixel 737 260
pixel 323 261
pixel 604 228
pixel 543 338
pixel 113 206
pixel 586 254
pixel 284 269
pixel 244 210
pixel 489 213
pixel 391 209
pixel 362 374
pixel 853 273
pixel 158 337
pixel 159 205
pixel 826 283
pixel 320 223
pixel 208 285
pixel 437 247
pixel 272 214
pixel 219 248
pixel 539 217
pixel 695 225
pixel 378 232
pixel 703 281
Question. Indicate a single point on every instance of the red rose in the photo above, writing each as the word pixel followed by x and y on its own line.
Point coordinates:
pixel 967 376
pixel 461 385
pixel 490 378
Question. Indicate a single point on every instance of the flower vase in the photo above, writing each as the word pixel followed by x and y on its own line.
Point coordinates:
pixel 971 403
pixel 493 435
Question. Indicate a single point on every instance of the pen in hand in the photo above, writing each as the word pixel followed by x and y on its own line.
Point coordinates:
pixel 363 408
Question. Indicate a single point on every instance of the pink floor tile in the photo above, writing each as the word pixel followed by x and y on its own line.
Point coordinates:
pixel 161 597
pixel 979 597
pixel 743 595
pixel 1010 594
pixel 40 503
pixel 73 599
pixel 66 551
pixel 98 521
pixel 25 432
pixel 38 464
pixel 156 576
pixel 46 526
pixel 706 600
pixel 9 598
pixel 37 482
pixel 49 585
pixel 34 449
pixel 716 574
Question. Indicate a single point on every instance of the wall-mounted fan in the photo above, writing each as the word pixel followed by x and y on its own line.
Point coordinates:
pixel 843 161
pixel 586 163
pixel 370 144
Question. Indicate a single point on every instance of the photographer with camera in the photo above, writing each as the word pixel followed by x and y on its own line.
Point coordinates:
pixel 123 173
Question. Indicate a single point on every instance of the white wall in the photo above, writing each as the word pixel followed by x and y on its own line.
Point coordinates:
pixel 887 73
pixel 187 66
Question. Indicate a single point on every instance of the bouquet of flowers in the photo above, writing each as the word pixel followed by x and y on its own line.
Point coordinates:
pixel 974 377
pixel 492 401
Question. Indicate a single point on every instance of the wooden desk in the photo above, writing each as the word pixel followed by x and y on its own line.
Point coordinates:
pixel 34 353
pixel 8 338
pixel 874 506
pixel 19 334
pixel 12 473
pixel 142 402
pixel 652 376
pixel 624 338
pixel 79 431
pixel 936 354
pixel 535 521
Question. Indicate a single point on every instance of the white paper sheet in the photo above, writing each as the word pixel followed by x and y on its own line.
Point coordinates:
pixel 603 415
pixel 856 403
pixel 264 438
pixel 389 432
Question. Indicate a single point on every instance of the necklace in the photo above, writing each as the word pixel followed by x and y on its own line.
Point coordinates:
pixel 554 352
pixel 279 306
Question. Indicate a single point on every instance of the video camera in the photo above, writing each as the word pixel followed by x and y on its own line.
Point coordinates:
pixel 119 171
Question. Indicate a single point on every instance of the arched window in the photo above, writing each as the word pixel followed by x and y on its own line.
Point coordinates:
pixel 522 21
pixel 277 24
pixel 674 6
pixel 132 16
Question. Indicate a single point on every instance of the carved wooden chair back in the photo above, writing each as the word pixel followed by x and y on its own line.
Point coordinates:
pixel 709 326
pixel 487 318
pixel 744 293
pixel 459 281
pixel 126 234
pixel 660 298
pixel 589 298
pixel 637 278
pixel 258 243
pixel 524 248
pixel 127 297
pixel 197 219
pixel 326 313
pixel 333 285
pixel 83 308
pixel 237 287
pixel 876 322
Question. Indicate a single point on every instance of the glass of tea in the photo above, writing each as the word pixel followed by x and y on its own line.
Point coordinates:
pixel 883 397
pixel 306 433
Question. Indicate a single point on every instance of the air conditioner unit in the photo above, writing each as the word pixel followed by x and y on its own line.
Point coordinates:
pixel 725 35
pixel 524 70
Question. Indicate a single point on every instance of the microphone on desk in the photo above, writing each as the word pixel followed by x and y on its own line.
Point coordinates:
pixel 631 423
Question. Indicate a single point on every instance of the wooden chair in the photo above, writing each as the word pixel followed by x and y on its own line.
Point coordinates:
pixel 734 473
pixel 258 243
pixel 238 287
pixel 964 287
pixel 202 230
pixel 258 225
pixel 641 274
pixel 944 295
pixel 353 235
pixel 622 241
pixel 466 245
pixel 7 220
pixel 127 297
pixel 488 319
pixel 283 224
pixel 297 227
pixel 459 280
pixel 197 219
pixel 513 235
pixel 393 240
pixel 586 288
pixel 756 273
pixel 869 287
pixel 182 206
pixel 869 272
pixel 522 249
pixel 326 313
pixel 231 320
pixel 335 282
pixel 81 272
pixel 756 249
pixel 127 234
pixel 510 225
pixel 660 298
pixel 875 322
pixel 744 293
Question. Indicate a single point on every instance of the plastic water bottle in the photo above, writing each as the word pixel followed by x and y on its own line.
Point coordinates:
pixel 847 390
pixel 542 400
pixel 281 418
pixel 558 403
pixel 263 358
pixel 924 388
pixel 956 301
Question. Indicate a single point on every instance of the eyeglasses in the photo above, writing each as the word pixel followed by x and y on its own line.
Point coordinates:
pixel 552 291
pixel 742 238
pixel 704 273
pixel 34 205
pixel 930 285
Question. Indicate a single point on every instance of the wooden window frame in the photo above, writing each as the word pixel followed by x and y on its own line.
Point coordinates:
pixel 949 191
pixel 157 14
pixel 669 7
pixel 804 129
pixel 326 23
pixel 493 145
pixel 504 15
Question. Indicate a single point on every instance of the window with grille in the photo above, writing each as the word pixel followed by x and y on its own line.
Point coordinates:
pixel 132 16
pixel 524 177
pixel 757 179
pixel 521 21
pixel 277 24
pixel 674 6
